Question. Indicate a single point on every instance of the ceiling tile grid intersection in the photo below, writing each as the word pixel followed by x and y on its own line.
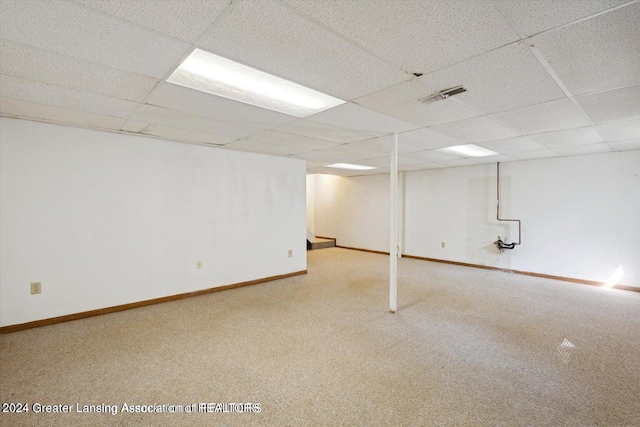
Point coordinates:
pixel 537 16
pixel 418 36
pixel 49 67
pixel 183 20
pixel 29 90
pixel 95 64
pixel 503 79
pixel 51 114
pixel 294 48
pixel 596 54
pixel 70 29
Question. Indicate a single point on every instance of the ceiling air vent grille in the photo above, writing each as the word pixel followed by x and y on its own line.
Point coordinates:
pixel 443 94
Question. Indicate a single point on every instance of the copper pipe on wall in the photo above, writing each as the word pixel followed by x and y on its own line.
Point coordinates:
pixel 498 207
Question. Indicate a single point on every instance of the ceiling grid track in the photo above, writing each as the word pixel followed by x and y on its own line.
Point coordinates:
pixel 546 79
pixel 536 52
pixel 577 21
pixel 347 40
pixel 194 45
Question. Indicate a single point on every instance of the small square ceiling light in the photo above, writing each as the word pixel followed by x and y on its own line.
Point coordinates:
pixel 350 166
pixel 216 75
pixel 469 150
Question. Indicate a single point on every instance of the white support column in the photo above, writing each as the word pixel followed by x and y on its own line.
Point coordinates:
pixel 393 228
pixel 401 214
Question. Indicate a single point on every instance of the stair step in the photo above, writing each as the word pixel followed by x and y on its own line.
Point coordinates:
pixel 323 243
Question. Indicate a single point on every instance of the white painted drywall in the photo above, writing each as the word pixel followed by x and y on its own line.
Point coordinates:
pixel 311 205
pixel 455 206
pixel 103 219
pixel 327 208
pixel 579 214
pixel 354 210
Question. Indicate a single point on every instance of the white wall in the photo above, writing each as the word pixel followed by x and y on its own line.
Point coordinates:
pixel 579 214
pixel 355 210
pixel 327 207
pixel 103 219
pixel 311 203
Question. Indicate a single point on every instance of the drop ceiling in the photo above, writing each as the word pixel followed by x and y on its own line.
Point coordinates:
pixel 545 78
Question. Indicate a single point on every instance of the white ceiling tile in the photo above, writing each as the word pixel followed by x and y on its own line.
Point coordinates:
pixel 24 109
pixel 82 63
pixel 174 134
pixel 422 166
pixel 503 79
pixel 405 161
pixel 457 163
pixel 183 135
pixel 577 150
pixel 280 138
pixel 427 139
pixel 42 93
pixel 367 172
pixel 312 164
pixel 567 138
pixel 263 148
pixel 326 158
pixel 612 106
pixel 354 117
pixel 290 46
pixel 490 159
pixel 596 54
pixel 312 168
pixel 402 101
pixel 475 130
pixel 71 29
pixel 383 145
pixel 354 152
pixel 61 70
pixel 184 20
pixel 385 161
pixel 306 127
pixel 378 162
pixel 207 105
pixel 632 144
pixel 511 145
pixel 547 117
pixel 534 16
pixel 620 131
pixel 178 119
pixel 531 155
pixel 431 156
pixel 418 35
pixel 410 168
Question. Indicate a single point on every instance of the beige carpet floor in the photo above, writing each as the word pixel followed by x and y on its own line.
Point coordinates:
pixel 468 347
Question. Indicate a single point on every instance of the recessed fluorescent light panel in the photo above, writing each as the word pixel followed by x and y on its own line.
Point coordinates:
pixel 350 166
pixel 214 74
pixel 469 150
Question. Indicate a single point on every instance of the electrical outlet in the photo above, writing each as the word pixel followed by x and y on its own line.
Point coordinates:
pixel 36 288
pixel 442 244
pixel 290 253
pixel 199 265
